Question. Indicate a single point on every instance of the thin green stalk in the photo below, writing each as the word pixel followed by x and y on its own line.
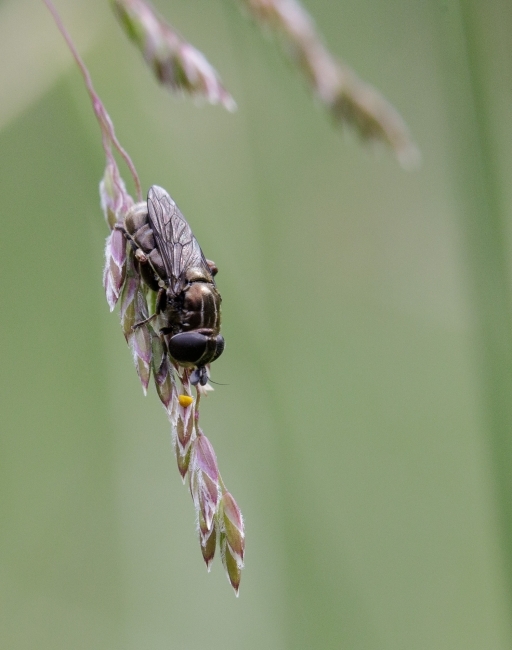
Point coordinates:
pixel 490 275
pixel 107 128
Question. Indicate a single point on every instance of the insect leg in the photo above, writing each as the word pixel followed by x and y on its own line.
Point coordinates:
pixel 143 322
pixel 129 239
pixel 161 301
pixel 213 267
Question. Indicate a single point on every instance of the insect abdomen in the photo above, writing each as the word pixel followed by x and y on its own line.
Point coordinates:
pixel 137 225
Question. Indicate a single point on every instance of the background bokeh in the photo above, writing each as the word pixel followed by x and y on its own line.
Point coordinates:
pixel 366 428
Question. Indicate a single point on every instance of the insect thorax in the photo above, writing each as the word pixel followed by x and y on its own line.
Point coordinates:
pixel 201 308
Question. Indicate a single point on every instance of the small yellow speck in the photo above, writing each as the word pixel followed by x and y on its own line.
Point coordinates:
pixel 185 400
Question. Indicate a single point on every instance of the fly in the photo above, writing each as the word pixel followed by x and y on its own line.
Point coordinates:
pixel 172 264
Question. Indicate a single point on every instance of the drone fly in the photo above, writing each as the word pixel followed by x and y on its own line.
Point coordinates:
pixel 172 264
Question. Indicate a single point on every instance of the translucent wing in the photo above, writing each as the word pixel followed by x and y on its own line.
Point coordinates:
pixel 174 240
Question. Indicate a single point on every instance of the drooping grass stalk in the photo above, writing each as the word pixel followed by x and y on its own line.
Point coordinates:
pixel 176 63
pixel 218 516
pixel 348 98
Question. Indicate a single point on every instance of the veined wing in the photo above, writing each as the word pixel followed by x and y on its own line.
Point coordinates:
pixel 174 239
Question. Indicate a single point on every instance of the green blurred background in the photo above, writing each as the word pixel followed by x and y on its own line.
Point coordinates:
pixel 366 428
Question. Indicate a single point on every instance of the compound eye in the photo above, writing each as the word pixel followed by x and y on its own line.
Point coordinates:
pixel 187 347
pixel 220 347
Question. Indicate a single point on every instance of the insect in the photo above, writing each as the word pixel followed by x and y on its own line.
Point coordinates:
pixel 172 264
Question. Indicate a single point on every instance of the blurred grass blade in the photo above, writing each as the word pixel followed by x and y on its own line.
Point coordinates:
pixel 40 57
pixel 489 248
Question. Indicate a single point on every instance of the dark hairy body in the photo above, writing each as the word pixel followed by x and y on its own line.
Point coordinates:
pixel 172 263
